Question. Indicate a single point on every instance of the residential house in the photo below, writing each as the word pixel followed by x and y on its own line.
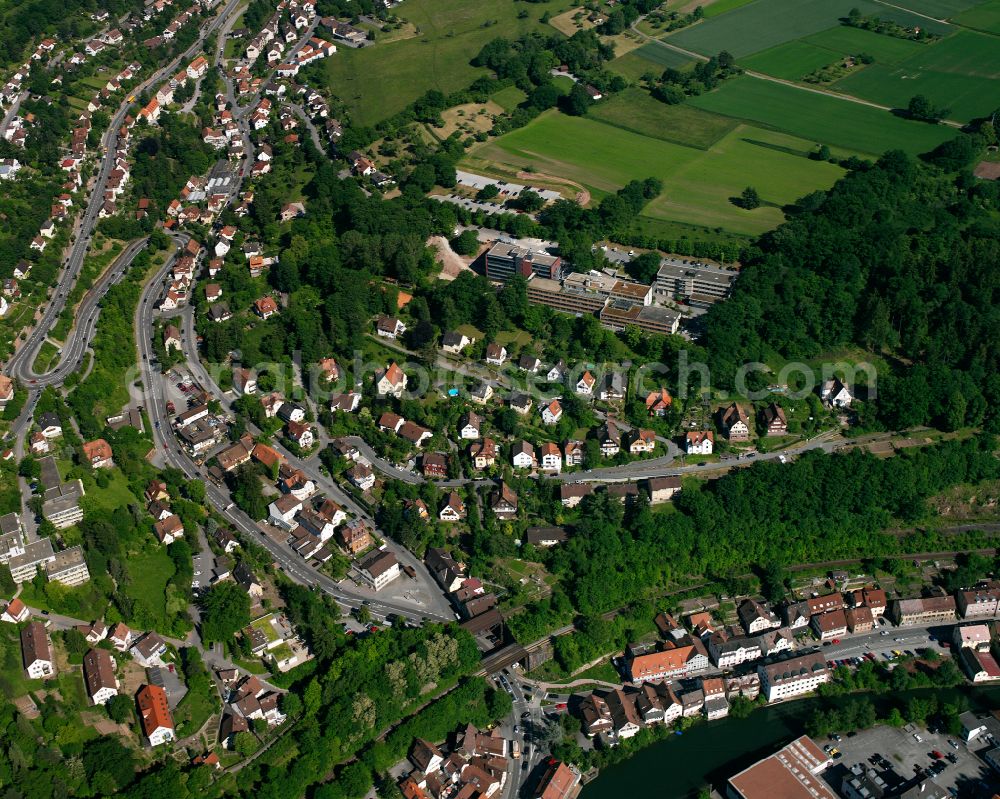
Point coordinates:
pixel 503 502
pixel 836 394
pixel 830 625
pixel 379 569
pixel 573 453
pixel 662 489
pixel 860 620
pixel 551 457
pixel 929 610
pixel 571 494
pixel 391 381
pixel 585 385
pixel 736 423
pixel 98 454
pixel 610 439
pixel 658 402
pixel 523 456
pixel 483 454
pixel 552 412
pixel 495 354
pixel 36 651
pixel 774 420
pixel 700 442
pixel 154 713
pixel 642 441
pixel 99 676
pixel 453 509
pixel 469 426
pixel 149 650
pixel 389 327
pixel 454 342
pixel 756 617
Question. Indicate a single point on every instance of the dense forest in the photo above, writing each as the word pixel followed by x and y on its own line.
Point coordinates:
pixel 900 257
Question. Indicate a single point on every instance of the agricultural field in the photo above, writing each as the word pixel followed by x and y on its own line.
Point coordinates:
pixel 764 24
pixel 939 9
pixel 844 40
pixel 984 17
pixel 698 183
pixel 378 81
pixel 650 58
pixel 821 118
pixel 957 73
pixel 791 60
pixel 634 110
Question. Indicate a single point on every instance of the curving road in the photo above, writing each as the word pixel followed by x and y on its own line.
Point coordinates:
pixel 21 362
pixel 291 563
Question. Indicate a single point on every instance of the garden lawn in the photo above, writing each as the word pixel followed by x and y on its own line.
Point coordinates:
pixel 510 98
pixel 698 184
pixel 378 81
pixel 767 23
pixel 635 110
pixel 821 118
pixel 985 17
pixel 115 495
pixel 149 572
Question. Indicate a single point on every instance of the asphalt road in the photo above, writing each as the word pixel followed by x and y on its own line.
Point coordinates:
pixel 171 452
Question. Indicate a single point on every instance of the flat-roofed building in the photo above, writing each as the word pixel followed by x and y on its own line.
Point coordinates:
pixel 503 261
pixel 701 283
pixel 552 294
pixel 61 503
pixel 68 567
pixel 619 314
pixel 793 772
pixel 24 567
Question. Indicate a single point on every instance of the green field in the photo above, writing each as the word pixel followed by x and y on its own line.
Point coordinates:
pixel 845 40
pixel 378 81
pixel 634 110
pixel 957 73
pixel 963 96
pixel 698 183
pixel 768 23
pixel 939 9
pixel 650 58
pixel 149 572
pixel 510 98
pixel 820 118
pixel 791 60
pixel 723 6
pixel 985 17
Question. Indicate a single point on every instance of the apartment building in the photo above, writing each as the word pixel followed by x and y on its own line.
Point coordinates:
pixel 978 603
pixel 68 567
pixel 928 610
pixel 793 677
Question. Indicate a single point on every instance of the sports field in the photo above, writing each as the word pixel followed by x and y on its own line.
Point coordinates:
pixel 984 17
pixel 378 81
pixel 821 118
pixel 698 183
pixel 767 23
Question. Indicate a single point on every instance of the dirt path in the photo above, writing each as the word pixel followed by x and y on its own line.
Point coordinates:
pixel 582 195
pixel 452 264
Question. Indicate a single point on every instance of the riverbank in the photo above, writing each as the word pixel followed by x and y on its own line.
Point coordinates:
pixel 710 753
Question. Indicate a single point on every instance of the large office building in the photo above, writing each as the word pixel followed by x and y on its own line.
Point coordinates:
pixel 700 284
pixel 503 261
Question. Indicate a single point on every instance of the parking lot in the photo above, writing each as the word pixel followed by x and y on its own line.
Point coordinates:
pixel 908 758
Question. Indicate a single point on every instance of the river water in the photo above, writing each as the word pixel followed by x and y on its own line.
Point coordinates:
pixel 711 753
